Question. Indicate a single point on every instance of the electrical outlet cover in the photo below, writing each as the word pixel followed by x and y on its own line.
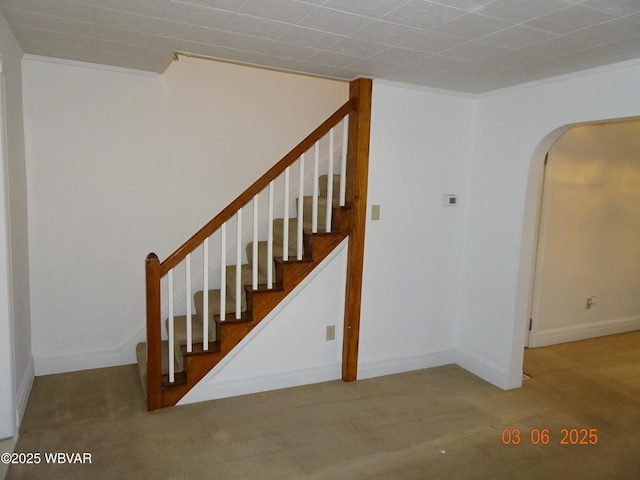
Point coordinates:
pixel 331 332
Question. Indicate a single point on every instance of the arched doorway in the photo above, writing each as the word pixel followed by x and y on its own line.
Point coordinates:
pixel 587 263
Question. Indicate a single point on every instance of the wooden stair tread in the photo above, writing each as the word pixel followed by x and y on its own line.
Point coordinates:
pixel 230 318
pixel 198 349
pixel 263 287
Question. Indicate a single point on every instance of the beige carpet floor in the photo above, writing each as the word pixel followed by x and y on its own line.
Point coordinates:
pixel 440 423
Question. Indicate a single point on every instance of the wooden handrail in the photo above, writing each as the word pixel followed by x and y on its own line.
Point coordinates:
pixel 190 245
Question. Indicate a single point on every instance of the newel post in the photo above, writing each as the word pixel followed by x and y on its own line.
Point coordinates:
pixel 154 339
pixel 356 198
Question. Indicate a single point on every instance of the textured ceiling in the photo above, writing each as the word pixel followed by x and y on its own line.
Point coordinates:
pixel 470 46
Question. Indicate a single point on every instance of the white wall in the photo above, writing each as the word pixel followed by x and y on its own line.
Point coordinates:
pixel 16 364
pixel 7 374
pixel 513 131
pixel 121 164
pixel 589 235
pixel 420 151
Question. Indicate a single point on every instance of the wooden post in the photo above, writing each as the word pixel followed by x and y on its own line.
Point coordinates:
pixel 154 339
pixel 356 198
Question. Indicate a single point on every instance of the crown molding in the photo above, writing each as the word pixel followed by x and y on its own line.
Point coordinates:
pixel 91 66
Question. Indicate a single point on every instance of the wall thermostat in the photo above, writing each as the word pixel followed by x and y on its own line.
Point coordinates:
pixel 450 200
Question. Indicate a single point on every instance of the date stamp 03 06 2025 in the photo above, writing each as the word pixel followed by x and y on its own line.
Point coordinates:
pixel 568 436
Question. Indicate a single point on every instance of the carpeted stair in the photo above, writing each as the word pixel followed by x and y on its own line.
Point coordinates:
pixel 223 336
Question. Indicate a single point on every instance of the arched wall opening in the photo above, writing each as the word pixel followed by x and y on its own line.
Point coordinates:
pixel 587 268
pixel 530 236
pixel 512 131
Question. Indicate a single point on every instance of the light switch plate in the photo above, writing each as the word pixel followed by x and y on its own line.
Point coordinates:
pixel 375 212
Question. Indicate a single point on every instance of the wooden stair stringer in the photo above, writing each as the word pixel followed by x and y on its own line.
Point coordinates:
pixel 196 365
pixel 260 302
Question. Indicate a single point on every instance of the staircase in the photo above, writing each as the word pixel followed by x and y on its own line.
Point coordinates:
pixel 295 244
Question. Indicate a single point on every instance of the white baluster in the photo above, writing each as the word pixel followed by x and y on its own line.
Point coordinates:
pixel 254 266
pixel 223 271
pixel 329 184
pixel 205 294
pixel 285 223
pixel 270 239
pixel 300 207
pixel 314 198
pixel 170 332
pixel 343 160
pixel 189 312
pixel 238 263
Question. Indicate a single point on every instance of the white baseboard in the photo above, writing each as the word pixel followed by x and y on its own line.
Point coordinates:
pixel 123 354
pixel 583 332
pixel 470 362
pixel 215 389
pixel 223 388
pixel 483 369
pixel 407 363
pixel 72 362
pixel 7 446
pixel 24 389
